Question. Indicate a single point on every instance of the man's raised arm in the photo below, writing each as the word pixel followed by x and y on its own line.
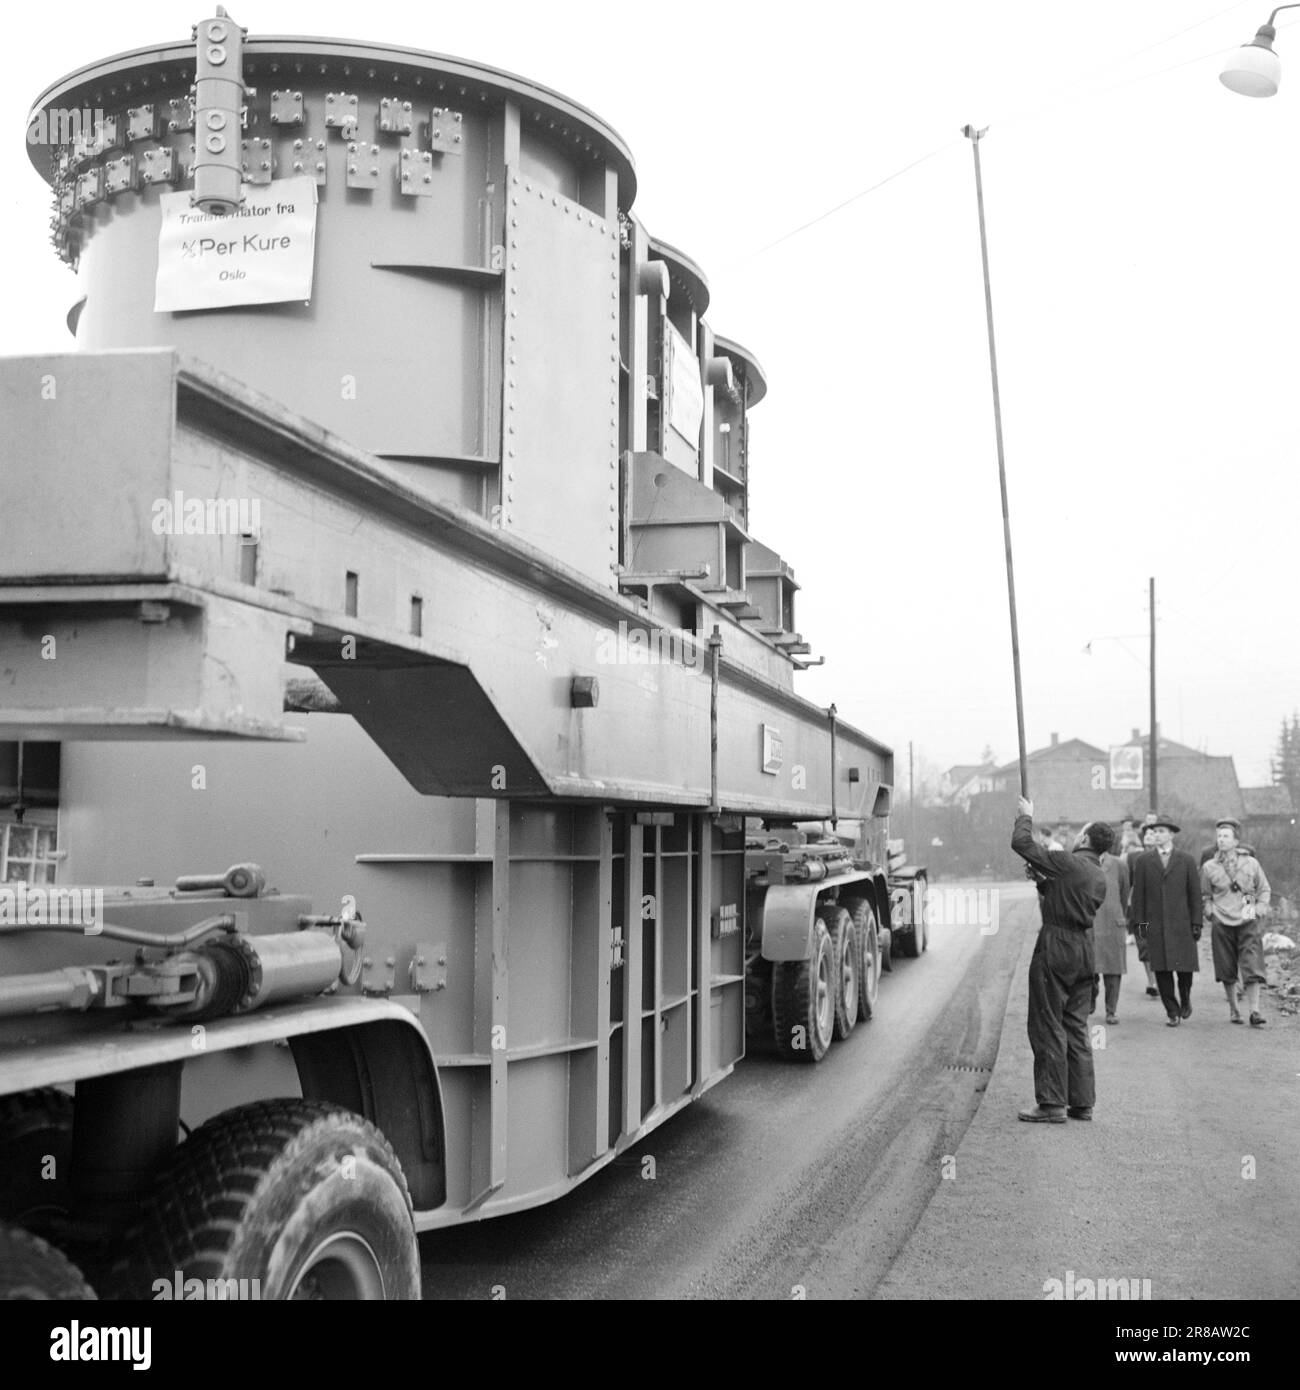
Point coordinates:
pixel 1024 844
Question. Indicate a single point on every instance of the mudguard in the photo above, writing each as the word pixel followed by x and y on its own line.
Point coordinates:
pixel 788 912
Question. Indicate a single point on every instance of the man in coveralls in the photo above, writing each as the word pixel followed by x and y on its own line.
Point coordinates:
pixel 1071 887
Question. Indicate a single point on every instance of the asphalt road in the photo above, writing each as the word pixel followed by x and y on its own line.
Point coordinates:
pixel 784 1181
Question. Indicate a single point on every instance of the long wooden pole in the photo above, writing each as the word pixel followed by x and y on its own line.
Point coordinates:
pixel 974 136
pixel 1155 794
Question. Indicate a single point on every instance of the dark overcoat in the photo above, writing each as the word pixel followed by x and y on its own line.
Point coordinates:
pixel 1110 926
pixel 1169 900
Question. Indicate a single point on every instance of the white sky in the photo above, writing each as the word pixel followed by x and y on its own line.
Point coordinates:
pixel 1142 224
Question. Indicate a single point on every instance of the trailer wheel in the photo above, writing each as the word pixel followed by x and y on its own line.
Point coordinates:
pixel 868 933
pixel 907 936
pixel 32 1269
pixel 848 969
pixel 803 1001
pixel 305 1197
pixel 35 1154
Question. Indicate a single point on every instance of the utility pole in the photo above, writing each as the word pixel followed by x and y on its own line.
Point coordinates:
pixel 911 804
pixel 1154 788
pixel 974 136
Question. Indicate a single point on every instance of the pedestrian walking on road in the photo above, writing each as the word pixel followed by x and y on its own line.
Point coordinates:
pixel 1135 852
pixel 1166 905
pixel 1071 889
pixel 1110 931
pixel 1236 895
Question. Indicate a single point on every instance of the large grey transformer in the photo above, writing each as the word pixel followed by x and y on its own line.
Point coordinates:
pixel 420 686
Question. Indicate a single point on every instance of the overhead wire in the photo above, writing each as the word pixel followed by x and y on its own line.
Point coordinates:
pixel 1019 116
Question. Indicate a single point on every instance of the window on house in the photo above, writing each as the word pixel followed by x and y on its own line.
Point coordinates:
pixel 28 853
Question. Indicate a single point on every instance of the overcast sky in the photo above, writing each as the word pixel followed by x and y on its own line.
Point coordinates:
pixel 1146 284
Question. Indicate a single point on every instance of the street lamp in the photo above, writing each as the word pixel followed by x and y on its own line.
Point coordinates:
pixel 1254 70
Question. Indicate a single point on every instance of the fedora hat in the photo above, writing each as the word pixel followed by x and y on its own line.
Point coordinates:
pixel 1165 821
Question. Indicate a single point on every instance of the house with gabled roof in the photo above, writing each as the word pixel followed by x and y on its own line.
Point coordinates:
pixel 964 780
pixel 1070 785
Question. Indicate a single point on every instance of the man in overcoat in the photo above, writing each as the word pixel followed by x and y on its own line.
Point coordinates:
pixel 1166 903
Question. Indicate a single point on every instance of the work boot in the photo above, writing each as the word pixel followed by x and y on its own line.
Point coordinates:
pixel 1187 1009
pixel 1044 1115
pixel 1079 1112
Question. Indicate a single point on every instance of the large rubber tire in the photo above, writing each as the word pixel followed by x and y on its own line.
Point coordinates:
pixel 32 1269
pixel 803 1001
pixel 848 969
pixel 869 962
pixel 303 1196
pixel 35 1155
pixel 907 940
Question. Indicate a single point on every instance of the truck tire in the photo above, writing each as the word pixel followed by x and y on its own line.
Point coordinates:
pixel 32 1269
pixel 35 1155
pixel 303 1196
pixel 908 938
pixel 868 933
pixel 803 1001
pixel 848 969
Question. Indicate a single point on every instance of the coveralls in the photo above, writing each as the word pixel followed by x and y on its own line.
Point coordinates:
pixel 1071 889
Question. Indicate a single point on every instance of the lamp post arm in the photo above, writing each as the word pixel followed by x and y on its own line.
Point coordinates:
pixel 1277 12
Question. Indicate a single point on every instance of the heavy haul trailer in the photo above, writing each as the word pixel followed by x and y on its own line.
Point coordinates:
pixel 429 589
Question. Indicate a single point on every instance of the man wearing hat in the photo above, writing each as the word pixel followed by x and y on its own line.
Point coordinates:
pixel 1236 895
pixel 1166 903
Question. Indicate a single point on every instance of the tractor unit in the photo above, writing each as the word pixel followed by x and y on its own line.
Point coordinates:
pixel 435 810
